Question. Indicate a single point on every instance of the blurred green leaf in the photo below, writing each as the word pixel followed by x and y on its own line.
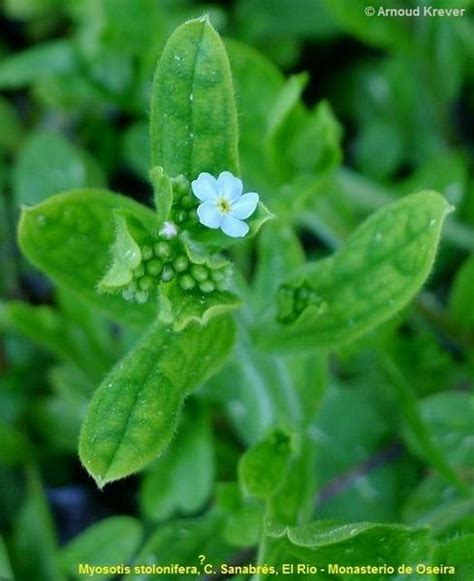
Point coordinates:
pixel 437 504
pixel 243 516
pixel 15 447
pixel 32 543
pixel 450 417
pixel 166 488
pixel 50 58
pixel 5 568
pixel 50 330
pixel 37 177
pixel 10 127
pixel 108 543
pixel 460 299
pixel 181 542
pixel 279 251
pixel 263 467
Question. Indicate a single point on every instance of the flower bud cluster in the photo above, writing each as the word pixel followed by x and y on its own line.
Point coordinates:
pixel 293 301
pixel 183 212
pixel 166 261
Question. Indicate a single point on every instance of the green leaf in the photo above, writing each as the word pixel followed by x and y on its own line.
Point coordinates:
pixel 460 299
pixel 33 64
pixel 263 467
pixel 58 422
pixel 257 392
pixel 15 447
pixel 332 545
pixel 108 543
pixel 285 102
pixel 456 553
pixel 294 498
pixel 133 415
pixel 380 31
pixel 419 435
pixel 243 515
pixel 279 251
pixel 126 256
pixel 316 145
pixel 37 177
pixel 163 193
pixel 33 541
pixel 52 331
pixel 181 542
pixel 450 417
pixel 30 9
pixel 5 568
pixel 68 237
pixel 378 271
pixel 136 148
pixel 193 114
pixel 167 487
pixel 436 504
pixel 10 126
pixel 183 308
pixel 256 82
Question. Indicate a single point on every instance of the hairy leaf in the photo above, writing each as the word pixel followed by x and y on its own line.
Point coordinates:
pixel 193 114
pixel 133 415
pixel 68 237
pixel 381 267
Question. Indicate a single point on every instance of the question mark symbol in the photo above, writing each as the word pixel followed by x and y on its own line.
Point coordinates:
pixel 202 558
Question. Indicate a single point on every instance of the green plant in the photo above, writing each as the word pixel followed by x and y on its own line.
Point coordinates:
pixel 259 344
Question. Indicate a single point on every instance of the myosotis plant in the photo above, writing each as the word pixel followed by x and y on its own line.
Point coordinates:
pixel 169 275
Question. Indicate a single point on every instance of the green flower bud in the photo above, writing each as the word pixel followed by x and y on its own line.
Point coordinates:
pixel 168 274
pixel 162 250
pixel 187 282
pixel 219 274
pixel 188 202
pixel 206 286
pixel 139 271
pixel 147 252
pixel 141 296
pixel 180 184
pixel 128 294
pixel 145 283
pixel 181 263
pixel 199 272
pixel 154 267
pixel 132 285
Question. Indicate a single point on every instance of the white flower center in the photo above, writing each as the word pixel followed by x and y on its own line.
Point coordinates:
pixel 223 205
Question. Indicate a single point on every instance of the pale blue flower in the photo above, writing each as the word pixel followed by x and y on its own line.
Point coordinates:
pixel 223 204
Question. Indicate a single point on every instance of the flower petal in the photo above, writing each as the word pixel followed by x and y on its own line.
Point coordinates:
pixel 205 187
pixel 209 215
pixel 233 227
pixel 229 186
pixel 245 206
